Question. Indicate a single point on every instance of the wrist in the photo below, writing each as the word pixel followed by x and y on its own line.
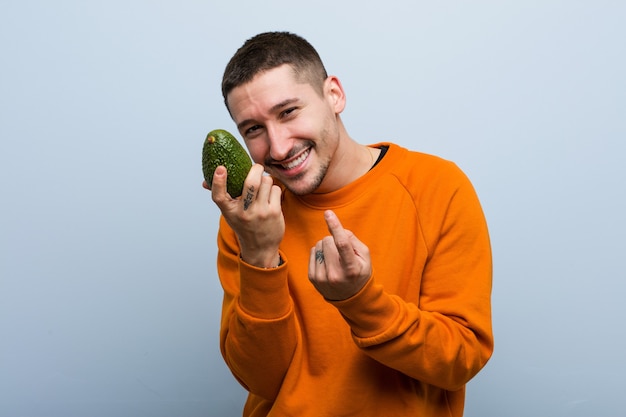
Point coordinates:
pixel 266 262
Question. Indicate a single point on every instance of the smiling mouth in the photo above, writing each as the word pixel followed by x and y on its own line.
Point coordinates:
pixel 294 163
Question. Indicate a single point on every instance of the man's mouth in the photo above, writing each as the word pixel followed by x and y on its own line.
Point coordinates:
pixel 297 161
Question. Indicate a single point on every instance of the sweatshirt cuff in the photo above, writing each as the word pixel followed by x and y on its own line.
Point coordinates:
pixel 264 293
pixel 369 312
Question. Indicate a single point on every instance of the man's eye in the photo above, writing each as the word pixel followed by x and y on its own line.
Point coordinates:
pixel 251 130
pixel 289 111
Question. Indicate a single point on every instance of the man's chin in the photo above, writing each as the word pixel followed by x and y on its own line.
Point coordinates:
pixel 300 186
pixel 298 189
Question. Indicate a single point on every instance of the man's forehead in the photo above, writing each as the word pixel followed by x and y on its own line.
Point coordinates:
pixel 268 91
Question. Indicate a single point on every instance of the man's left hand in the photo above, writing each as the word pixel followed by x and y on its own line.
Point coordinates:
pixel 339 264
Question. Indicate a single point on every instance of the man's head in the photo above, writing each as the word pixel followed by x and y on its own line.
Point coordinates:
pixel 287 109
pixel 270 50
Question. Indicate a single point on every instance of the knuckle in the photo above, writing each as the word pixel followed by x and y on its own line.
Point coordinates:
pixel 342 245
pixel 334 278
pixel 217 198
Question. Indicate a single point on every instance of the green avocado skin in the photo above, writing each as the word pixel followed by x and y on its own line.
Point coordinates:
pixel 221 148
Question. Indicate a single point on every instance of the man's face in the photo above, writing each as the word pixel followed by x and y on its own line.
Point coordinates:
pixel 288 127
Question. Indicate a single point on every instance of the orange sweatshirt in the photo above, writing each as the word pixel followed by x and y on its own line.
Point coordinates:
pixel 412 337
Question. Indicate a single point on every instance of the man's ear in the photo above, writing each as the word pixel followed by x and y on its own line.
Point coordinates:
pixel 335 93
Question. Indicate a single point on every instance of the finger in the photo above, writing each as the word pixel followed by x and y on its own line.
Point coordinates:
pixel 251 185
pixel 265 188
pixel 333 223
pixel 341 238
pixel 312 264
pixel 316 262
pixel 218 186
pixel 276 195
pixel 320 256
pixel 205 185
pixel 360 249
pixel 332 257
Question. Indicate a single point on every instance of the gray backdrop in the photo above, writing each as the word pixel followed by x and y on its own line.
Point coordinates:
pixel 109 300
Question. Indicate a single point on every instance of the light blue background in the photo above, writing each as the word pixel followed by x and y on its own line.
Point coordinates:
pixel 109 300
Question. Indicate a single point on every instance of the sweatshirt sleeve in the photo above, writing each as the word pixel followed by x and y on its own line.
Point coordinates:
pixel 445 338
pixel 258 329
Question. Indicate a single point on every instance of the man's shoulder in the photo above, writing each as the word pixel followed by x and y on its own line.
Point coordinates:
pixel 401 158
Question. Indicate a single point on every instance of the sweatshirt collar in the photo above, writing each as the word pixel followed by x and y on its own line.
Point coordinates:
pixel 356 188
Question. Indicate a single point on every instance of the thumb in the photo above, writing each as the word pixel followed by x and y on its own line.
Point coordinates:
pixel 218 185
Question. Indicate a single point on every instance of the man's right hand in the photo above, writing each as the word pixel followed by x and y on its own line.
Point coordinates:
pixel 256 216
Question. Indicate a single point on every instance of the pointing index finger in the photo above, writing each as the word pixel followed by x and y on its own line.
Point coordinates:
pixel 340 236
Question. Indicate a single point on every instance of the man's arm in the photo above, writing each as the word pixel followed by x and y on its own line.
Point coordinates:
pixel 445 338
pixel 258 329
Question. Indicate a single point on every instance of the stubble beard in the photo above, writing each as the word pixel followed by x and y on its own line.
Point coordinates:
pixel 298 188
pixel 299 185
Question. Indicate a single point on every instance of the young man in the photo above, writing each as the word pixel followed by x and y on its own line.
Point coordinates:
pixel 357 279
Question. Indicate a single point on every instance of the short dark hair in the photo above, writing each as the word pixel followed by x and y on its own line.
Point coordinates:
pixel 269 50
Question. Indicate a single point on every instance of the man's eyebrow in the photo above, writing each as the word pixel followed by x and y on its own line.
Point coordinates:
pixel 282 104
pixel 275 108
pixel 243 123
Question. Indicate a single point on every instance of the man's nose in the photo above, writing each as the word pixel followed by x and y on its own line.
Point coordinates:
pixel 279 141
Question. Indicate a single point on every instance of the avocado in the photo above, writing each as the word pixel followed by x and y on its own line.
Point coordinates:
pixel 221 148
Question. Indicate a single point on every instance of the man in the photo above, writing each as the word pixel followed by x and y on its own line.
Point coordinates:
pixel 357 279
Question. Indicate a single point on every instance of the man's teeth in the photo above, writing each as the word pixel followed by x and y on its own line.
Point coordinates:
pixel 296 161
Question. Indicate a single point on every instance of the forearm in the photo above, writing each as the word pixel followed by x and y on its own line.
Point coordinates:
pixel 431 347
pixel 258 329
pixel 258 351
